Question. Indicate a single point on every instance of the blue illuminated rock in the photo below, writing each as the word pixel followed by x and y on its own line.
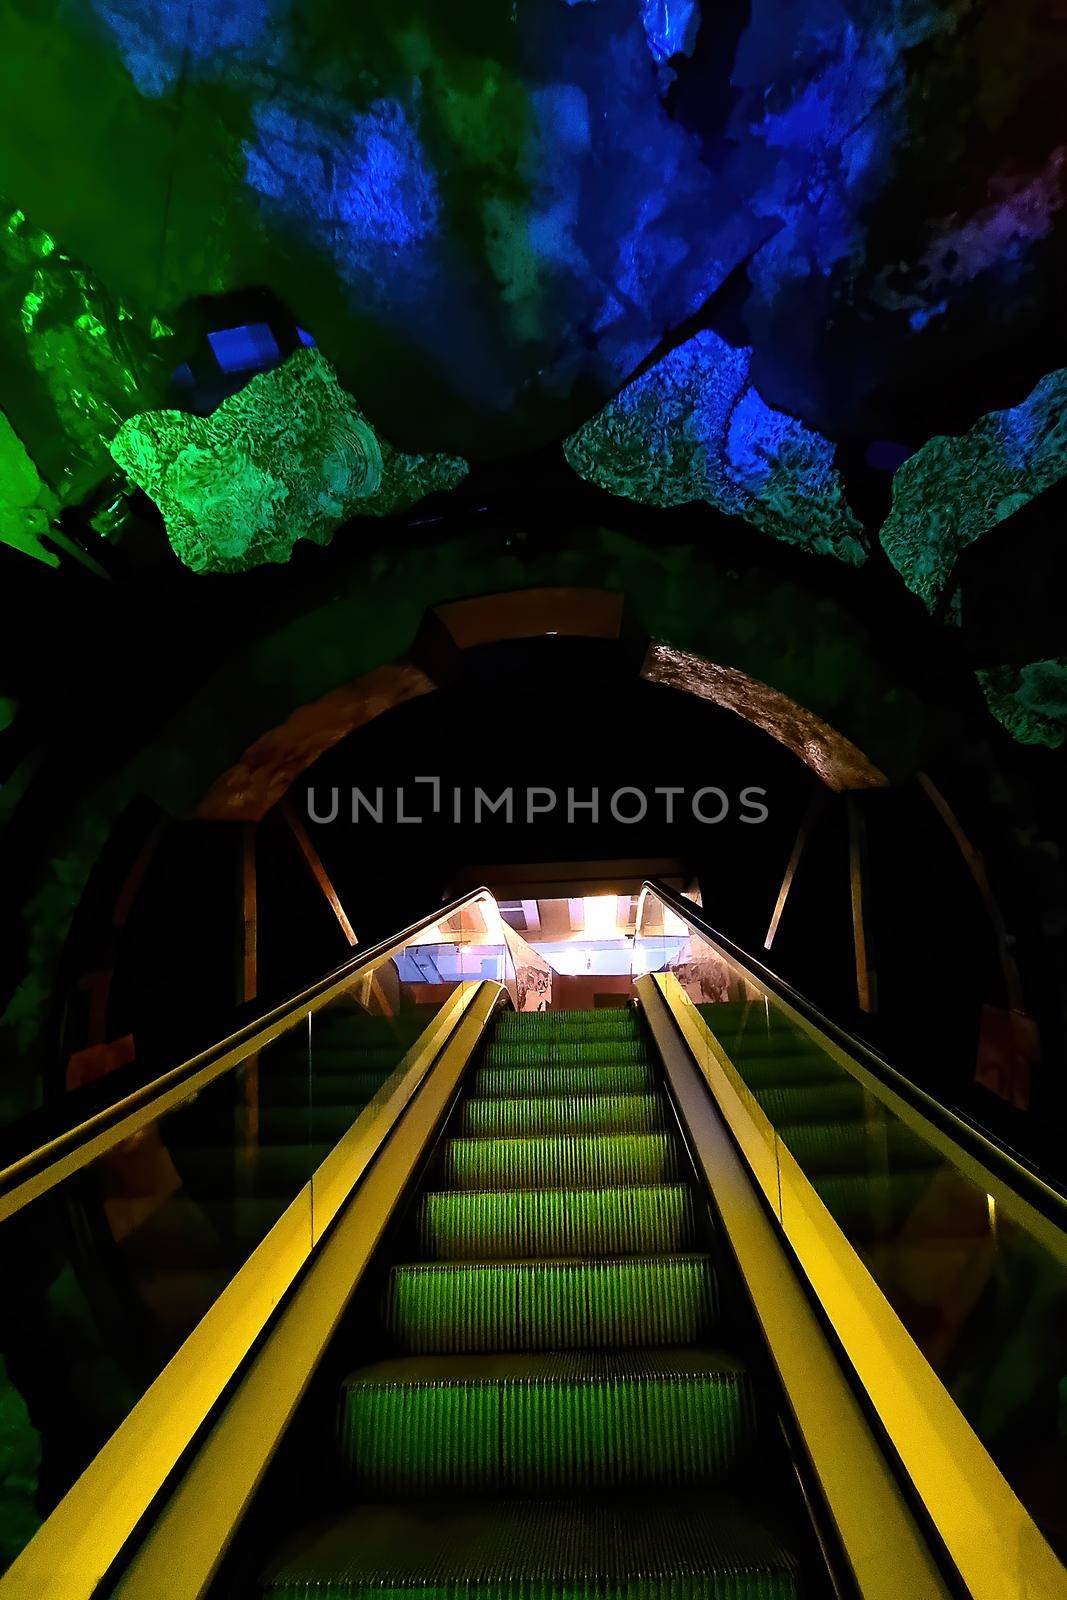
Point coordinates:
pixel 955 488
pixel 694 428
pixel 289 457
pixel 159 40
pixel 359 181
pixel 671 27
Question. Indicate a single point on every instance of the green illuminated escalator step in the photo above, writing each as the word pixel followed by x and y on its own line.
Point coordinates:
pixel 547 1424
pixel 867 1207
pixel 439 1309
pixel 604 1160
pixel 607 1023
pixel 322 1088
pixel 857 1146
pixel 273 1169
pixel 503 1225
pixel 555 1114
pixel 500 1083
pixel 826 1102
pixel 314 1124
pixel 732 1015
pixel 810 1070
pixel 682 1548
pixel 522 1052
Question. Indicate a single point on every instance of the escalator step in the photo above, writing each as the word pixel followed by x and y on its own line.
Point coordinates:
pixel 341 1088
pixel 501 1225
pixel 305 1124
pixel 753 1015
pixel 569 1114
pixel 935 1203
pixel 614 1023
pixel 330 1056
pixel 524 1052
pixel 683 1549
pixel 856 1146
pixel 438 1309
pixel 867 1208
pixel 827 1102
pixel 499 1083
pixel 273 1169
pixel 560 1162
pixel 548 1424
pixel 810 1070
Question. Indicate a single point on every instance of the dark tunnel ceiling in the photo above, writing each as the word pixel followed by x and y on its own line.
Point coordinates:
pixel 754 255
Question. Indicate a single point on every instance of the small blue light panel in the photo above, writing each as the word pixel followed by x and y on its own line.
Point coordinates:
pixel 252 348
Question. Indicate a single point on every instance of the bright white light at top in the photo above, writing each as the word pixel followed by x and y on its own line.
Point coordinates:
pixel 672 922
pixel 601 915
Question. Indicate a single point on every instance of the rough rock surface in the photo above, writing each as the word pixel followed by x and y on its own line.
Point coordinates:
pixel 693 427
pixel 955 489
pixel 289 457
pixel 1030 701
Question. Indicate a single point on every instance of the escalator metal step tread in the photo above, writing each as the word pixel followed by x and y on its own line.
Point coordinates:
pixel 500 1083
pixel 696 1362
pixel 704 1548
pixel 857 1146
pixel 327 1056
pixel 444 1308
pixel 563 1114
pixel 810 1069
pixel 275 1169
pixel 735 1013
pixel 822 1103
pixel 864 1207
pixel 522 1052
pixel 296 1088
pixel 548 1424
pixel 652 1219
pixel 560 1162
pixel 611 1023
pixel 302 1124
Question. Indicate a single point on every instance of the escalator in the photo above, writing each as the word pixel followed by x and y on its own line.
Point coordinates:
pixel 697 1299
pixel 564 1403
pixel 296 1125
pixel 177 1259
pixel 827 1121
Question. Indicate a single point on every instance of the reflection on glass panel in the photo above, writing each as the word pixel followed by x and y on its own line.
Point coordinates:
pixel 533 974
pixel 111 1270
pixel 982 1294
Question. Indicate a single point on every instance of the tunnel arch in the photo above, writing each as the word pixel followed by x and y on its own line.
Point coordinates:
pixel 336 648
pixel 267 769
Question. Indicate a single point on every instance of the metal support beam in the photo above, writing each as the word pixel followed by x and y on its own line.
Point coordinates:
pixel 813 811
pixel 318 871
pixel 866 975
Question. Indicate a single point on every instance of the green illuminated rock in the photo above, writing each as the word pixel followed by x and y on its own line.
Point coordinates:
pixel 26 503
pixel 8 712
pixel 1030 701
pixel 88 358
pixel 290 457
pixel 956 488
